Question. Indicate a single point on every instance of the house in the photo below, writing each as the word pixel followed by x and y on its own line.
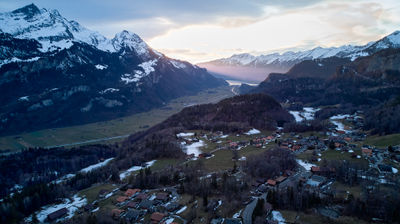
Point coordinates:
pixel 130 192
pixel 162 196
pixel 385 168
pixel 131 204
pixel 347 139
pixel 322 170
pixel 132 215
pixel 102 193
pixel 289 173
pixel 116 213
pixel 142 196
pixel 172 206
pixel 57 214
pixel 156 217
pixel 316 181
pixel 271 182
pixel 341 132
pixel 121 199
pixel 366 152
pixel 146 204
pixel 338 145
pixel 280 179
pixel 233 145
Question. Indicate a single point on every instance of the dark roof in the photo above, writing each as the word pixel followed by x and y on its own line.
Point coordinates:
pixel 141 196
pixel 385 168
pixel 146 204
pixel 232 221
pixel 103 191
pixel 133 214
pixel 162 196
pixel 172 206
pixel 57 214
pixel 131 204
pixel 156 216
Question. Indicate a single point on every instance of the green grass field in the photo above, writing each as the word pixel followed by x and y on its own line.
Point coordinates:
pixel 105 129
pixel 383 141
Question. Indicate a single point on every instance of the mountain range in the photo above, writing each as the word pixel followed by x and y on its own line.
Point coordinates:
pixel 248 67
pixel 55 72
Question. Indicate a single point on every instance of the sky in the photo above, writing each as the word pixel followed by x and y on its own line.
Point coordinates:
pixel 199 31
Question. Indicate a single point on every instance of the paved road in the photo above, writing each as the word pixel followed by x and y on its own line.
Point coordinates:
pixel 248 211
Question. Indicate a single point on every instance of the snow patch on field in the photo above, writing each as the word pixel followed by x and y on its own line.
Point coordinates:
pixel 182 135
pixel 169 221
pixel 277 216
pixel 305 165
pixel 24 98
pixel 308 113
pixel 72 206
pixel 64 178
pixel 336 121
pixel 96 166
pixel 108 90
pixel 194 148
pixel 101 67
pixel 127 172
pixel 296 115
pixel 253 132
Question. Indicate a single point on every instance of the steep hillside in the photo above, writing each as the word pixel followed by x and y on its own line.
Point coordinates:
pixel 236 114
pixel 368 80
pixel 54 72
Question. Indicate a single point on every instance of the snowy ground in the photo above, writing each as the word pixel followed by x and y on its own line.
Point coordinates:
pixel 181 210
pixel 127 172
pixel 306 165
pixel 194 148
pixel 253 132
pixel 336 120
pixel 307 113
pixel 96 166
pixel 277 216
pixel 72 206
pixel 169 221
pixel 182 135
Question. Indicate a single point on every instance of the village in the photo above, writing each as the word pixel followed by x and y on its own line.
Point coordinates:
pixel 313 151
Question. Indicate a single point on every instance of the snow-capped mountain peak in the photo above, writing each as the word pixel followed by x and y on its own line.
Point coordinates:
pixel 29 11
pixel 390 41
pixel 130 41
pixel 55 32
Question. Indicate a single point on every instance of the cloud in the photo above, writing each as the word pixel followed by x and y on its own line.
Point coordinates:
pixel 209 29
pixel 327 24
pixel 142 16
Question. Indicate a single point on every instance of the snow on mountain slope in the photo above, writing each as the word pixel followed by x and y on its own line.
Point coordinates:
pixel 291 58
pixel 55 32
pixel 128 40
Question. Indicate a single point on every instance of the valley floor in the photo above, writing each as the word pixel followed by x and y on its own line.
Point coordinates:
pixel 109 131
